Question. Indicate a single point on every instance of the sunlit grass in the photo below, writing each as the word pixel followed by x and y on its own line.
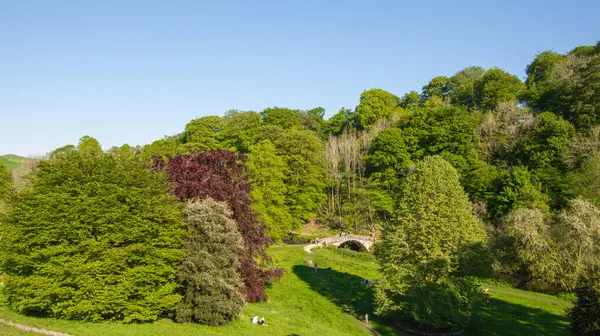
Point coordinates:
pixel 330 302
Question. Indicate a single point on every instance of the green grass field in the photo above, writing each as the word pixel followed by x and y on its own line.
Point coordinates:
pixel 330 302
pixel 12 165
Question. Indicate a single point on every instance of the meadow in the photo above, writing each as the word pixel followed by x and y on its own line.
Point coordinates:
pixel 330 302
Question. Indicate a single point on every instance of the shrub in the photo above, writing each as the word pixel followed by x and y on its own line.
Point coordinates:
pixel 95 237
pixel 211 286
pixel 585 315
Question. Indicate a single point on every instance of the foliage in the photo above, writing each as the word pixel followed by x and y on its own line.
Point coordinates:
pixel 585 315
pixel 421 250
pixel 496 86
pixel 267 171
pixel 567 84
pixel 203 133
pixel 577 230
pixel 301 150
pixel 221 176
pixel 96 237
pixel 525 248
pixel 514 189
pixel 375 104
pixel 280 116
pixel 462 86
pixel 585 182
pixel 5 182
pixel 210 285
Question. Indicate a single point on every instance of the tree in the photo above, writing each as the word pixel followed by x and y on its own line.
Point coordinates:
pixel 567 84
pixel 577 230
pixel 5 182
pixel 221 175
pixel 525 247
pixel 375 104
pixel 281 116
pixel 203 133
pixel 585 315
pixel 421 251
pixel 515 188
pixel 437 87
pixel 87 144
pixel 339 122
pixel 411 100
pixel 305 179
pixel 95 237
pixel 210 285
pixel 267 172
pixel 462 86
pixel 585 182
pixel 497 86
pixel 240 130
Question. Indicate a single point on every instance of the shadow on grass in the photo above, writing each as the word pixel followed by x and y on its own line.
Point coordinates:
pixel 346 291
pixel 499 318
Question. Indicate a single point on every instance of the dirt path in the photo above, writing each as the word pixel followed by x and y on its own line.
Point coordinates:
pixel 309 247
pixel 33 329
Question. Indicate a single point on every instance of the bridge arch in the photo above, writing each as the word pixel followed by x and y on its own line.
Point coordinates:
pixel 354 245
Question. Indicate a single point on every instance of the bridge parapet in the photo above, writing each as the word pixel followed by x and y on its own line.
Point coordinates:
pixel 338 240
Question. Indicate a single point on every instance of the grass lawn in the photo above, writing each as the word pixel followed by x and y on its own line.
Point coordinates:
pixel 330 302
pixel 11 331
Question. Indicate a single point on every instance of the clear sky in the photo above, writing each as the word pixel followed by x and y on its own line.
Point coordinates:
pixel 132 71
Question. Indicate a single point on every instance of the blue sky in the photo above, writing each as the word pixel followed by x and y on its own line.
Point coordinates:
pixel 132 71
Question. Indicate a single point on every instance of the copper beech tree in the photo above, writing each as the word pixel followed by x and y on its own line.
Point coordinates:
pixel 220 175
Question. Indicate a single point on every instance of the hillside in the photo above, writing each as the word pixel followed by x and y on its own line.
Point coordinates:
pixel 19 166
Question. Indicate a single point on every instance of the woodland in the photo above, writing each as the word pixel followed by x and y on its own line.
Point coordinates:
pixel 479 175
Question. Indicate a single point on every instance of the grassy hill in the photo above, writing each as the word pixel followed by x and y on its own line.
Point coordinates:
pixel 12 165
pixel 331 302
pixel 19 166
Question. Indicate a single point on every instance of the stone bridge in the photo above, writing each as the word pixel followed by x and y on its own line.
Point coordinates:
pixel 355 242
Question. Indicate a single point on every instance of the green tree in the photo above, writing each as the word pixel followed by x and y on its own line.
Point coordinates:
pixel 267 172
pixel 87 144
pixel 577 230
pixel 203 133
pixel 210 285
pixel 585 315
pixel 240 130
pixel 585 182
pixel 339 122
pixel 515 188
pixel 437 87
pixel 525 247
pixel 567 84
pixel 375 104
pixel 95 237
pixel 497 86
pixel 5 182
pixel 462 86
pixel 411 100
pixel 281 116
pixel 306 174
pixel 167 146
pixel 422 250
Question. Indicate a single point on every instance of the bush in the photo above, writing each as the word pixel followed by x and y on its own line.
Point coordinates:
pixel 211 287
pixel 442 306
pixel 585 315
pixel 95 237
